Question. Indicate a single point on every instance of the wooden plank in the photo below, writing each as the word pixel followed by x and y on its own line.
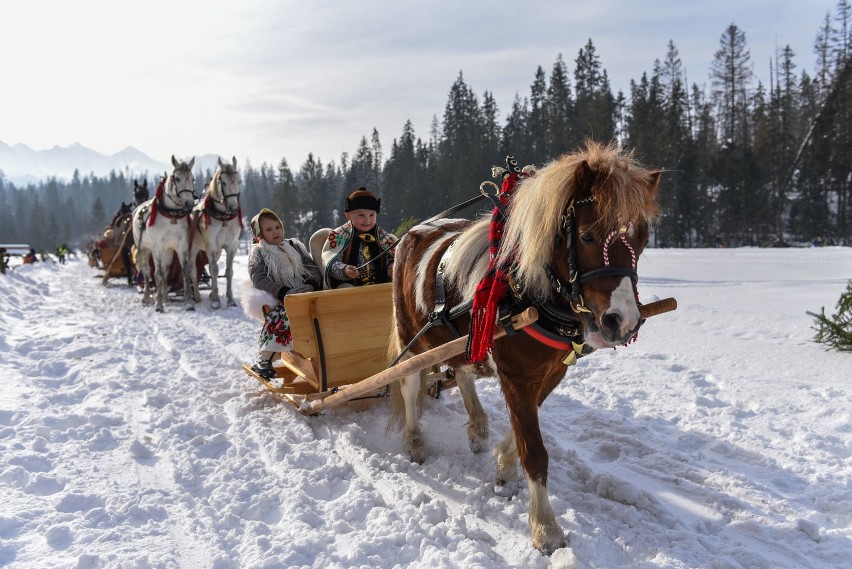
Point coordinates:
pixel 298 365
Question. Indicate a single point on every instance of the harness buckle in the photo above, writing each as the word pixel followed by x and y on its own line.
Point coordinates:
pixel 504 319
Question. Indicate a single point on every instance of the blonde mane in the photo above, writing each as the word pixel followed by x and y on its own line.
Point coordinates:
pixel 624 192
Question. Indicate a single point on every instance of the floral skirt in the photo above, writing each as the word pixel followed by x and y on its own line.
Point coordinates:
pixel 276 336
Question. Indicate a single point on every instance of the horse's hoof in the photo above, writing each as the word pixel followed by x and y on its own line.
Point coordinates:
pixel 549 538
pixel 477 438
pixel 159 309
pixel 190 308
pixel 215 304
pixel 232 302
pixel 507 488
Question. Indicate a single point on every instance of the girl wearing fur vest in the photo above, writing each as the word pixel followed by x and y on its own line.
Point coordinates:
pixel 277 267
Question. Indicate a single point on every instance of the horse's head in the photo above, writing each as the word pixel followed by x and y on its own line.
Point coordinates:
pixel 140 192
pixel 225 186
pixel 180 187
pixel 586 217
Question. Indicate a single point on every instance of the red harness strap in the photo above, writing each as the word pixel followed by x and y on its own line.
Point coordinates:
pixel 495 284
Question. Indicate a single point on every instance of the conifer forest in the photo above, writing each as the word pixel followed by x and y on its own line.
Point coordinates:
pixel 745 163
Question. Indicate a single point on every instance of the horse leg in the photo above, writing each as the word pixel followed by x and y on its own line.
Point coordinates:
pixel 193 275
pixel 505 453
pixel 477 425
pixel 213 264
pixel 188 302
pixel 143 265
pixel 406 406
pixel 128 266
pixel 229 275
pixel 522 401
pixel 162 288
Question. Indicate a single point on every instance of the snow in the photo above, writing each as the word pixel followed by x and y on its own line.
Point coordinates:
pixel 720 439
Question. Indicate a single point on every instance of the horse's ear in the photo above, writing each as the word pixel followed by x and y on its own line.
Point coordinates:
pixel 234 161
pixel 584 178
pixel 174 161
pixel 135 184
pixel 654 179
pixel 221 164
pixel 192 163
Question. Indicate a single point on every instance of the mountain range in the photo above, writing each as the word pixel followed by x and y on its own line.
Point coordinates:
pixel 22 165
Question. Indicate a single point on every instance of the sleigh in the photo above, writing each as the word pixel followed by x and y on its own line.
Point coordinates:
pixel 339 338
pixel 340 342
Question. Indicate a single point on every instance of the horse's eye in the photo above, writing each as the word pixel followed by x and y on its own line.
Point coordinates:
pixel 587 237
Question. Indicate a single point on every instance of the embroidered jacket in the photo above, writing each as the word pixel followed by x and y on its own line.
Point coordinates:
pixel 344 247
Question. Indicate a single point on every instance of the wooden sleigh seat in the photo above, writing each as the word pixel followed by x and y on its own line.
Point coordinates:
pixel 339 338
pixel 114 268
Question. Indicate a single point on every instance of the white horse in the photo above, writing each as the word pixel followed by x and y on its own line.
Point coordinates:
pixel 161 230
pixel 217 222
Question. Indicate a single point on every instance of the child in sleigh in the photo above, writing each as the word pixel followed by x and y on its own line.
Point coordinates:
pixel 277 267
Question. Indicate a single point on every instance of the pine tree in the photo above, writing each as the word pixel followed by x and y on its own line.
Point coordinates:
pixel 735 165
pixel 286 201
pixel 96 221
pixel 316 212
pixel 537 121
pixel 404 191
pixel 837 330
pixel 516 134
pixel 594 103
pixel 559 133
pixel 459 168
pixel 731 76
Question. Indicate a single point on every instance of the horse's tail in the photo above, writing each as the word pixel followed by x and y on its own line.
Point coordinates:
pixel 397 419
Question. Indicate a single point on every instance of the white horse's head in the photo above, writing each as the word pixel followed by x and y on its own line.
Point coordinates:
pixel 225 186
pixel 180 188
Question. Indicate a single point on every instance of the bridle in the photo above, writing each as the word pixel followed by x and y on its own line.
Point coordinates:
pixel 178 210
pixel 212 204
pixel 572 292
pixel 221 185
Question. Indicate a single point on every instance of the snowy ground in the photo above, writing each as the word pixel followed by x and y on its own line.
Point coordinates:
pixel 720 439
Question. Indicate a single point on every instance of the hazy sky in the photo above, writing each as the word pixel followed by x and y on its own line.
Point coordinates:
pixel 262 79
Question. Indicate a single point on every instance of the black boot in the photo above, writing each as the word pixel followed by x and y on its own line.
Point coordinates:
pixel 263 368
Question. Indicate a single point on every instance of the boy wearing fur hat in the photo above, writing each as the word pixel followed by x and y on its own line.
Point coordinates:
pixel 359 252
pixel 277 267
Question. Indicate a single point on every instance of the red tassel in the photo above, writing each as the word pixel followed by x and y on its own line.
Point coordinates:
pixel 158 195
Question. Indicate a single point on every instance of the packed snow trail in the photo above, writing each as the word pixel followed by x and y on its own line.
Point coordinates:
pixel 720 439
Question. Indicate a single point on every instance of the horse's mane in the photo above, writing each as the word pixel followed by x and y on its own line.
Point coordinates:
pixel 624 192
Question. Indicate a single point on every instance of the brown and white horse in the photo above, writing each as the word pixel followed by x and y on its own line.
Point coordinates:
pixel 573 233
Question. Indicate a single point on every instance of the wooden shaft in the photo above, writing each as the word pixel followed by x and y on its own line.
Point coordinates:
pixel 414 364
pixel 657 307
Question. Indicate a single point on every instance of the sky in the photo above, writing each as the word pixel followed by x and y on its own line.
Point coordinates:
pixel 720 438
pixel 262 79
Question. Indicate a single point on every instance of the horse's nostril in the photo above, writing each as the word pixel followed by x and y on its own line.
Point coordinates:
pixel 611 321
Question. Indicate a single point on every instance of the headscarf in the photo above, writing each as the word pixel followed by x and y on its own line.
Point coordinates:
pixel 255 223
